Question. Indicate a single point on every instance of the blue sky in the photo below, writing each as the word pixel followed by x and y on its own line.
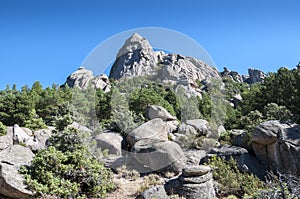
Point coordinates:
pixel 46 40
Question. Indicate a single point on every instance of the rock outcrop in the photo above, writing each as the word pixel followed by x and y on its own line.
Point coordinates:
pixel 11 182
pixel 254 76
pixel 83 78
pixel 232 75
pixel 137 58
pixel 277 144
pixel 194 182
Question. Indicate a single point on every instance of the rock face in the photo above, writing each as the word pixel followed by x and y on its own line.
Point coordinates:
pixel 137 58
pixel 11 182
pixel 161 156
pixel 194 182
pixel 155 129
pixel 82 78
pixel 278 144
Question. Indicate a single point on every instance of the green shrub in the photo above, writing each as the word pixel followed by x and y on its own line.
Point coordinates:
pixel 231 180
pixel 274 112
pixel 67 170
pixel 3 129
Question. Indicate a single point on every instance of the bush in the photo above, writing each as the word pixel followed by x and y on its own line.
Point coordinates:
pixel 3 129
pixel 231 180
pixel 274 112
pixel 67 170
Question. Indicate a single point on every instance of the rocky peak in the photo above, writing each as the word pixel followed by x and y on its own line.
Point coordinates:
pixel 137 58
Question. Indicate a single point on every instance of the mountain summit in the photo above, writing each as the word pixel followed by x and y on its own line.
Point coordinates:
pixel 137 58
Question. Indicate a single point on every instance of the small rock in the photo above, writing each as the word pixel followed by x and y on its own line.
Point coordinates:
pixel 154 192
pixel 197 170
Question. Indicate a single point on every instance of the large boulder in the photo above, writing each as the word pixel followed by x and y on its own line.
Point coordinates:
pixel 194 182
pixel 200 125
pixel 277 144
pixel 11 182
pixel 155 129
pixel 160 156
pixel 110 141
pixel 154 111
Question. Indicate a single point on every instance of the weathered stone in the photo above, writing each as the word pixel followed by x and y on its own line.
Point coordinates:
pixel 20 136
pixel 255 76
pixel 172 125
pixel 187 130
pixel 194 156
pixel 80 127
pixel 83 78
pixel 277 144
pixel 137 58
pixel 110 141
pixel 202 126
pixel 154 111
pixel 242 139
pixel 196 186
pixel 227 150
pixel 154 192
pixel 155 129
pixel 41 138
pixel 161 156
pixel 27 131
pixel 6 140
pixel 11 182
pixel 197 170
